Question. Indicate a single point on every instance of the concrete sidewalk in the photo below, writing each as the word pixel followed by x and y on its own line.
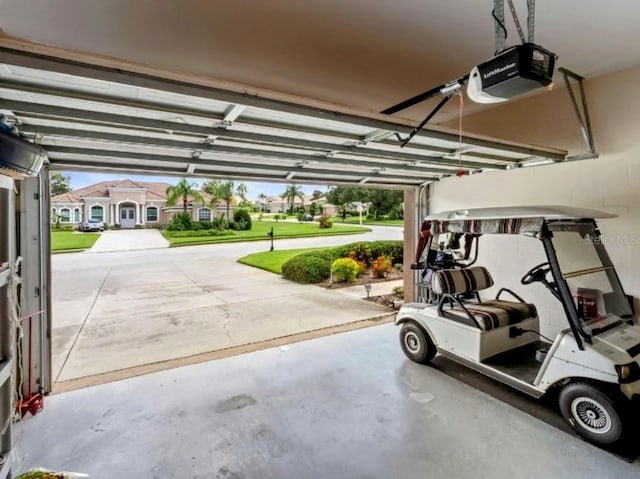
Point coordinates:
pixel 128 240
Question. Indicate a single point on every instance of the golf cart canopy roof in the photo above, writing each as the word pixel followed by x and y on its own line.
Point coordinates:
pixel 506 220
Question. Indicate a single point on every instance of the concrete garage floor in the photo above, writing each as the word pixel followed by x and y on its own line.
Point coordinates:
pixel 119 310
pixel 345 406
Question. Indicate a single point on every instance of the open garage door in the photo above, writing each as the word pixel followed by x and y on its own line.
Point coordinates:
pixel 101 115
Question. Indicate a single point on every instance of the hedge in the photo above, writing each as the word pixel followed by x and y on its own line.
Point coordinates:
pixel 395 249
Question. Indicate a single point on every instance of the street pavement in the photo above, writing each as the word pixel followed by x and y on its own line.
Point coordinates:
pixel 118 310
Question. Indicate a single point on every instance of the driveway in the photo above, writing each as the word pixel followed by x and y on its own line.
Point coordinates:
pixel 128 240
pixel 120 310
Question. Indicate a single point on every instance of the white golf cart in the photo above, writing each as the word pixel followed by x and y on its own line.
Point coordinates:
pixel 593 364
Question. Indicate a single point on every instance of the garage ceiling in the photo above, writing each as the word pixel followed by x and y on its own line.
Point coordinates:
pixel 365 54
pixel 109 119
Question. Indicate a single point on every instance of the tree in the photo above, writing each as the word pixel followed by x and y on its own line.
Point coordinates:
pixel 211 188
pixel 382 202
pixel 241 191
pixel 183 190
pixel 290 194
pixel 222 190
pixel 316 195
pixel 60 184
pixel 342 197
pixel 262 199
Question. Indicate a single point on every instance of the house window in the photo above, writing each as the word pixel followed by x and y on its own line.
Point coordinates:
pixel 76 215
pixel 204 214
pixel 97 213
pixel 152 213
pixel 65 215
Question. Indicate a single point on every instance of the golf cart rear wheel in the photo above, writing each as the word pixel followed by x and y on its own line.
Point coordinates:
pixel 416 343
pixel 591 413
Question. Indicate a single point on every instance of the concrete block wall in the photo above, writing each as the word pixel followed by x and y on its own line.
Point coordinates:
pixel 610 183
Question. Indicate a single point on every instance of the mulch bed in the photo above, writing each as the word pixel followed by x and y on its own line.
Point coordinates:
pixel 383 300
pixel 364 279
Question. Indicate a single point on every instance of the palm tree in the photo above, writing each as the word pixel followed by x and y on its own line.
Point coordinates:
pixel 183 190
pixel 290 194
pixel 211 188
pixel 225 191
pixel 262 199
pixel 241 191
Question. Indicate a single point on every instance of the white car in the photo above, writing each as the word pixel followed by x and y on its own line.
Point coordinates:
pixel 91 225
pixel 593 364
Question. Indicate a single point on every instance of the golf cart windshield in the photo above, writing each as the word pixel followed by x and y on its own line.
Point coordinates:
pixel 587 269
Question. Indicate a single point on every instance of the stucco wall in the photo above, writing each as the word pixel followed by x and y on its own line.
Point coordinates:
pixel 610 183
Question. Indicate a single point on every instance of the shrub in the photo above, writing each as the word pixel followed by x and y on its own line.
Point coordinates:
pixel 301 217
pixel 196 226
pixel 395 249
pixel 233 225
pixel 398 291
pixel 381 266
pixel 344 269
pixel 180 222
pixel 322 254
pixel 243 219
pixel 307 268
pixel 324 222
pixel 219 223
pixel 276 217
pixel 361 252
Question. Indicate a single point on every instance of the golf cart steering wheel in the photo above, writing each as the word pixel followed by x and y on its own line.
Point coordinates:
pixel 536 274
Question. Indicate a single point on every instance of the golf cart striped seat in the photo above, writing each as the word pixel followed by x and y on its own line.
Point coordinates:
pixel 450 284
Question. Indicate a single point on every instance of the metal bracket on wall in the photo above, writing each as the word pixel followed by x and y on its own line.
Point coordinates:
pixel 582 115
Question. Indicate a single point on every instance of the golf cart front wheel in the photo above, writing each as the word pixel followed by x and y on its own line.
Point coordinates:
pixel 416 343
pixel 591 413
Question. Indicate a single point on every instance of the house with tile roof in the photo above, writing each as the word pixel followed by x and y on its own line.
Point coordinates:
pixel 126 204
pixel 277 204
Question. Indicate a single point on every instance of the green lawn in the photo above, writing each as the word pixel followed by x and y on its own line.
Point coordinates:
pixel 68 240
pixel 261 228
pixel 273 260
pixel 355 220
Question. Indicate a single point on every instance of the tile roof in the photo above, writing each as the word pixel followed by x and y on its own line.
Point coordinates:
pixel 66 198
pixel 155 190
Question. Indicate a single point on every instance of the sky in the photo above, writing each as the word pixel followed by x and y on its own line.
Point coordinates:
pixel 80 180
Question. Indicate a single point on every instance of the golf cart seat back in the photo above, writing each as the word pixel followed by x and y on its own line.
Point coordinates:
pixel 485 315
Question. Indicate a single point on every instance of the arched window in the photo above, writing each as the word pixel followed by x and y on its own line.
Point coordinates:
pixel 152 214
pixel 65 215
pixel 97 213
pixel 76 215
pixel 204 214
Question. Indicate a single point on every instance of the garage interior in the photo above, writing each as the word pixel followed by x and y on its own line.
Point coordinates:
pixel 297 100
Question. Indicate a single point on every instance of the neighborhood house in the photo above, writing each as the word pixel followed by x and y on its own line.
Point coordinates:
pixel 126 204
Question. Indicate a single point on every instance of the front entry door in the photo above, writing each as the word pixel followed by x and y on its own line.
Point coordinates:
pixel 127 217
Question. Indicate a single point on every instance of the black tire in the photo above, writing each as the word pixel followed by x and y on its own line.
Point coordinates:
pixel 591 413
pixel 416 343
